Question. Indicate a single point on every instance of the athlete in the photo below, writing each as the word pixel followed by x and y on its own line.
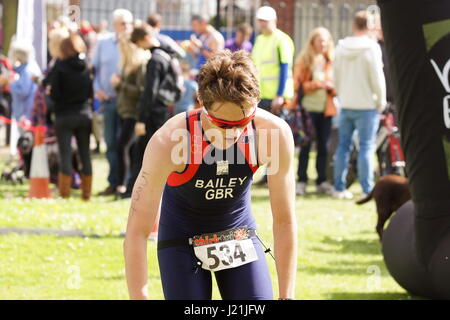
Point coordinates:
pixel 196 176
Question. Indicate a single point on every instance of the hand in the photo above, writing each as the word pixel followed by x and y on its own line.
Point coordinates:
pixel 101 95
pixel 196 43
pixel 115 80
pixel 328 85
pixel 139 129
pixel 277 103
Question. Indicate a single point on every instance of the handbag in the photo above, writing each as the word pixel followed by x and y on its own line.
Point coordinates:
pixel 299 121
pixel 330 107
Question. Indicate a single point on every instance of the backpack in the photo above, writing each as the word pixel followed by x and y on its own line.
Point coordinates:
pixel 171 87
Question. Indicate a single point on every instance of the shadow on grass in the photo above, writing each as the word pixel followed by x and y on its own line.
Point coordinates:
pixel 353 268
pixel 336 271
pixel 371 296
pixel 8 191
pixel 357 246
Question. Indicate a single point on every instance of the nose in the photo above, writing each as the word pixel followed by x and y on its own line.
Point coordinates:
pixel 233 133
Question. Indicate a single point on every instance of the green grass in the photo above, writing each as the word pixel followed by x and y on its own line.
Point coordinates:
pixel 338 248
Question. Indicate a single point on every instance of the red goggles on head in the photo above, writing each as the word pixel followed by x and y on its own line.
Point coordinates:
pixel 224 124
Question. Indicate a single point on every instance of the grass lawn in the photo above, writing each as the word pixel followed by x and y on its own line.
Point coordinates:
pixel 339 252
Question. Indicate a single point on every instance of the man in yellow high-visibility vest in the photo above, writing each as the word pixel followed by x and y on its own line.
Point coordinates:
pixel 273 55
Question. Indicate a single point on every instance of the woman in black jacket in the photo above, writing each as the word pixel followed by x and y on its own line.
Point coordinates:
pixel 71 88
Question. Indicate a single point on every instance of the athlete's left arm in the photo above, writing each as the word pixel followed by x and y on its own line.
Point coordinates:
pixel 281 181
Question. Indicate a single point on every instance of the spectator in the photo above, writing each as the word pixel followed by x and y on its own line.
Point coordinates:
pixel 209 40
pixel 71 88
pixel 102 29
pixel 22 90
pixel 55 37
pixel 273 55
pixel 379 37
pixel 5 95
pixel 90 39
pixel 361 88
pixel 187 100
pixel 241 41
pixel 152 112
pixel 154 20
pixel 130 85
pixel 106 63
pixel 313 77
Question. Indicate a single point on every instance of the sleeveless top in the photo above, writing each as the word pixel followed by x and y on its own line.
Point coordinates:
pixel 201 57
pixel 212 193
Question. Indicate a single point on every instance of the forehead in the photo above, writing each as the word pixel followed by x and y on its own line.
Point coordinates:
pixel 321 36
pixel 229 111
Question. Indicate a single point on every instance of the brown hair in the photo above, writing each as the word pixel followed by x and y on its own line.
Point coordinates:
pixel 200 18
pixel 154 20
pixel 139 33
pixel 72 46
pixel 245 29
pixel 360 21
pixel 131 56
pixel 307 54
pixel 229 77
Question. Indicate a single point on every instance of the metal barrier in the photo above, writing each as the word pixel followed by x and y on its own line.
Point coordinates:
pixel 335 15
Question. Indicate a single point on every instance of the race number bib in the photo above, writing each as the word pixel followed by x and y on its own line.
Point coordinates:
pixel 225 250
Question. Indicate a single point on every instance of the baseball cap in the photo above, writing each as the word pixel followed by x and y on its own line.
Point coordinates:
pixel 266 13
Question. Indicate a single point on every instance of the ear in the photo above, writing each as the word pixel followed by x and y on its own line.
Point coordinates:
pixel 200 101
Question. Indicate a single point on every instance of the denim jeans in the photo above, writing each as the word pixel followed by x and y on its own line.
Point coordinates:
pixel 111 132
pixel 322 127
pixel 366 123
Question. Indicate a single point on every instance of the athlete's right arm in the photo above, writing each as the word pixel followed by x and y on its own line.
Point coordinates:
pixel 145 203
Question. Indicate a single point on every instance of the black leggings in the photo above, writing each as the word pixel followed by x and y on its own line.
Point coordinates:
pixel 124 146
pixel 78 125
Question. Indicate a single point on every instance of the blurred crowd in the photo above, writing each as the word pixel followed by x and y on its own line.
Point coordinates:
pixel 119 87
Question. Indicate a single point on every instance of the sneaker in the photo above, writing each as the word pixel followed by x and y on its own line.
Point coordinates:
pixel 325 188
pixel 300 189
pixel 108 191
pixel 342 194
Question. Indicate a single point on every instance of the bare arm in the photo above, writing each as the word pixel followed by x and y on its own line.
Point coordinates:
pixel 144 210
pixel 215 43
pixel 281 184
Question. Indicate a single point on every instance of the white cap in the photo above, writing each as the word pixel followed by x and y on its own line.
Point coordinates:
pixel 266 13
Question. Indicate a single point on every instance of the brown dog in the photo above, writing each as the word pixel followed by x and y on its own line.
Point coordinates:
pixel 390 193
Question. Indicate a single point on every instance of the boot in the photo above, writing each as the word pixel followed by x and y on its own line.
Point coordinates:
pixel 64 185
pixel 86 185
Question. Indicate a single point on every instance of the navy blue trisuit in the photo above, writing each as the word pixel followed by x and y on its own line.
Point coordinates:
pixel 203 199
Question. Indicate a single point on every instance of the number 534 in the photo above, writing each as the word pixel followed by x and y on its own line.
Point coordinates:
pixel 226 253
